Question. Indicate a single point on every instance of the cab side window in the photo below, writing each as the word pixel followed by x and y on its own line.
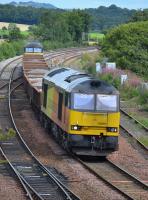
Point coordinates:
pixel 66 99
pixel 60 103
pixel 45 89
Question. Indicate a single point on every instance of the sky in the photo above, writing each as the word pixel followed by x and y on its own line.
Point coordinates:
pixel 136 4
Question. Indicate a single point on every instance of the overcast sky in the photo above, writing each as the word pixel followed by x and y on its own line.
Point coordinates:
pixel 136 4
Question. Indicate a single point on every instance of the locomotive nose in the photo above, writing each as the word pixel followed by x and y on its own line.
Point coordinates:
pixel 92 119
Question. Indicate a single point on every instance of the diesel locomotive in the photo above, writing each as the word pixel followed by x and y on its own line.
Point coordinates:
pixel 81 111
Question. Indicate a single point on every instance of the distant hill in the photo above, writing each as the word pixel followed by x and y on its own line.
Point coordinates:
pixel 104 18
pixel 33 4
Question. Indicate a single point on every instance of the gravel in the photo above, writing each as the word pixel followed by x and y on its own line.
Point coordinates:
pixel 130 159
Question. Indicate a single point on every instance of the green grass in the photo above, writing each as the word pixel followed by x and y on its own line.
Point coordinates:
pixel 144 140
pixel 3 161
pixel 143 120
pixel 25 33
pixel 4 32
pixel 10 134
pixel 95 36
pixel 2 96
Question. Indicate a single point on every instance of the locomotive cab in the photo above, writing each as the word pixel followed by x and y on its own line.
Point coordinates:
pixel 33 47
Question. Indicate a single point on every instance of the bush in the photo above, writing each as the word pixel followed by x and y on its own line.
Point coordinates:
pixel 11 49
pixel 49 45
pixel 115 81
pixel 128 92
pixel 6 50
pixel 10 134
pixel 127 46
pixel 143 98
pixel 88 63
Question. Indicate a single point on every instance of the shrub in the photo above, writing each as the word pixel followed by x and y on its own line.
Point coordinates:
pixel 11 49
pixel 10 134
pixel 49 45
pixel 127 45
pixel 128 92
pixel 143 98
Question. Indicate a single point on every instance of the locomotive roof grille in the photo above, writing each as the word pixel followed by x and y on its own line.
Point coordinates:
pixel 57 72
pixel 74 77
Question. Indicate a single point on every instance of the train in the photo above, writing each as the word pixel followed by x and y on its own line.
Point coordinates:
pixel 80 111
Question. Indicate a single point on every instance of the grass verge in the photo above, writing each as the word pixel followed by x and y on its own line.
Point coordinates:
pixel 144 140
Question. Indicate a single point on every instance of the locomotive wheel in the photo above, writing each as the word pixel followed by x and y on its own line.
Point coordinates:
pixel 54 130
pixel 41 120
pixel 65 142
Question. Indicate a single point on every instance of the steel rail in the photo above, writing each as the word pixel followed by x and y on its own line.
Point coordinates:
pixel 134 119
pixel 9 63
pixel 145 148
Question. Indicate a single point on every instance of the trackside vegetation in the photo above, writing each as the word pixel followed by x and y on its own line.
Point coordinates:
pixel 127 45
pixel 6 136
pixel 11 49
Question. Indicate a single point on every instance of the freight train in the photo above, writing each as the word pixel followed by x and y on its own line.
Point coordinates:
pixel 80 111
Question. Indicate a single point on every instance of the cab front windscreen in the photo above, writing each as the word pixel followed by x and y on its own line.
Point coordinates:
pixel 95 102
pixel 84 101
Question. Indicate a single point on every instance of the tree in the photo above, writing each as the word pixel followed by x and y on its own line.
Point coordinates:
pixel 104 18
pixel 140 15
pixel 14 32
pixel 4 28
pixel 127 45
pixel 62 26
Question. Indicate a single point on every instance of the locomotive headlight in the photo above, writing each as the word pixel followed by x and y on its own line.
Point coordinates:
pixel 112 129
pixel 75 127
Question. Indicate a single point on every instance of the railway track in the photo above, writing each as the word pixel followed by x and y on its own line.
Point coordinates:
pixel 63 55
pixel 133 119
pixel 42 183
pixel 7 170
pixel 4 81
pixel 117 178
pixel 5 122
pixel 134 129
